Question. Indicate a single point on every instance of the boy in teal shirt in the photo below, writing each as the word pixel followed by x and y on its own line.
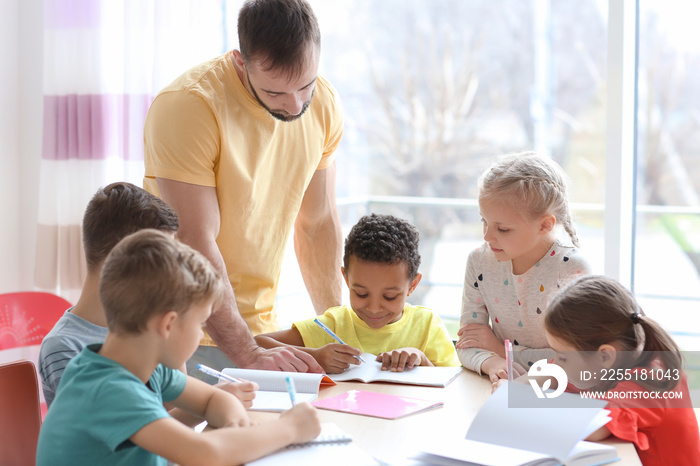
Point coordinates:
pixel 157 294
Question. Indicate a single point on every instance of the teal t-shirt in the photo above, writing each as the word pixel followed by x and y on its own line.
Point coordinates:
pixel 98 406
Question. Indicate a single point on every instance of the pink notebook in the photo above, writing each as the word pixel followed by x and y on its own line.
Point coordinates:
pixel 376 404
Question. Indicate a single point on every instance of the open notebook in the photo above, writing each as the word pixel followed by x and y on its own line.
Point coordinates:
pixel 510 436
pixel 331 446
pixel 371 371
pixel 272 394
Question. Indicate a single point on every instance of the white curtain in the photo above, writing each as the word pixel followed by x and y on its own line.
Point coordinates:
pixel 104 61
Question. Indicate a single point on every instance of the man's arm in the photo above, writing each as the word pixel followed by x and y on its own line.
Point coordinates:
pixel 200 220
pixel 318 241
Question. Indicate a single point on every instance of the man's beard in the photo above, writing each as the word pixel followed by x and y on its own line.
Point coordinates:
pixel 280 116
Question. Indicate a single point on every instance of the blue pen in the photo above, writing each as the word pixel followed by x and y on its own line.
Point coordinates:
pixel 219 375
pixel 333 335
pixel 290 389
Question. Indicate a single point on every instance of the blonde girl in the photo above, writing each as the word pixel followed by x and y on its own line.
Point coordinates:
pixel 607 345
pixel 523 198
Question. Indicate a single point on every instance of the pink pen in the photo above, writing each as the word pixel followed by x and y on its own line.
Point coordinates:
pixel 509 359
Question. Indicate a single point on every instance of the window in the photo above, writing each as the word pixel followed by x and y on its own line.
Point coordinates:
pixel 667 259
pixel 433 90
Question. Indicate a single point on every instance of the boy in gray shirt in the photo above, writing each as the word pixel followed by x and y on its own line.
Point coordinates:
pixel 114 212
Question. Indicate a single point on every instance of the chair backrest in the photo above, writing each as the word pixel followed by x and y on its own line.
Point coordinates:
pixel 26 317
pixel 20 416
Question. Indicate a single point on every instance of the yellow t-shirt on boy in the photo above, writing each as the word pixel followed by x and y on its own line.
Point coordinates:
pixel 419 327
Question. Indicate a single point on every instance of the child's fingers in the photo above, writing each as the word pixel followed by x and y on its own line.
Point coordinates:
pixel 385 358
pixel 412 361
pixel 247 386
pixel 241 390
pixel 399 361
pixel 518 370
pixel 500 374
pixel 496 384
pixel 346 355
pixel 346 349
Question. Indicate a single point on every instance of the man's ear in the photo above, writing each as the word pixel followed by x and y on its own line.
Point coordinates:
pixel 414 283
pixel 164 323
pixel 238 59
pixel 607 355
pixel 547 223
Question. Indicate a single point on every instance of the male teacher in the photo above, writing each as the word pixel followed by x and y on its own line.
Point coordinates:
pixel 242 147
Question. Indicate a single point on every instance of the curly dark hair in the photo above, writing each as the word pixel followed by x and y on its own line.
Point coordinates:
pixel 384 239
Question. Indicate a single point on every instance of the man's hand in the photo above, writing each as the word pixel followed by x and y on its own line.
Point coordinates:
pixel 283 358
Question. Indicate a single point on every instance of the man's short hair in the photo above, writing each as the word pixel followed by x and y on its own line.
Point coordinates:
pixel 150 273
pixel 384 239
pixel 279 33
pixel 118 210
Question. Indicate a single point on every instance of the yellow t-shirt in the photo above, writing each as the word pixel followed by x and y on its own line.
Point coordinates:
pixel 418 327
pixel 206 129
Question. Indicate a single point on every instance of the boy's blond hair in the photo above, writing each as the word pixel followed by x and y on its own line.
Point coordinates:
pixel 150 273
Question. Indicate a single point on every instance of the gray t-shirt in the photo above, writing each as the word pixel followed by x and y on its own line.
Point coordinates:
pixel 65 340
pixel 515 305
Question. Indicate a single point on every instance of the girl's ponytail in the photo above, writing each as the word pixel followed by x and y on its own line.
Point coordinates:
pixel 658 344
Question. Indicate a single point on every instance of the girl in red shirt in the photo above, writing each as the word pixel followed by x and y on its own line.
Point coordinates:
pixel 609 348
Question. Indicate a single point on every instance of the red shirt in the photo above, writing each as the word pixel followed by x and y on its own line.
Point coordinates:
pixel 664 431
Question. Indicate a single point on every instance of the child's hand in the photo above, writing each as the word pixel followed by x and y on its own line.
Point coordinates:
pixel 497 383
pixel 335 358
pixel 304 422
pixel 401 358
pixel 245 391
pixel 497 368
pixel 479 336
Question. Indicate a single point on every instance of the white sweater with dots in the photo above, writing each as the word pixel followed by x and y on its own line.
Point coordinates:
pixel 515 305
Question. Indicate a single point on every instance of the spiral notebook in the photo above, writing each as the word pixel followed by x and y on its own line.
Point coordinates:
pixel 382 405
pixel 331 444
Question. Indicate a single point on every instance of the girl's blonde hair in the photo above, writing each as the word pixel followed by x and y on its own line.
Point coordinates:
pixel 536 183
pixel 594 310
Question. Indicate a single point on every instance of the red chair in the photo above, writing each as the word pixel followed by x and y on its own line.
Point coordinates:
pixel 20 413
pixel 25 319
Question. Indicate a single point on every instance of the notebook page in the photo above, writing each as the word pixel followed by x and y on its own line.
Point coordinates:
pixel 371 371
pixel 318 455
pixel 554 431
pixel 330 433
pixel 467 452
pixel 278 401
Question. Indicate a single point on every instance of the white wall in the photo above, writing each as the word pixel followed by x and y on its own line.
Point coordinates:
pixel 21 45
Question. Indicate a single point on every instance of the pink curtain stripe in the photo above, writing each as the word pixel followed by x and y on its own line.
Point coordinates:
pixel 94 127
pixel 72 14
